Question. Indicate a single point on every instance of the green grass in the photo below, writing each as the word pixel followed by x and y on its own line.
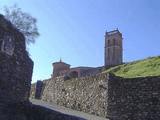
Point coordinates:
pixel 141 68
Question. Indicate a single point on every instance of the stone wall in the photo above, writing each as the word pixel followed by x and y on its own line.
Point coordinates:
pixel 87 94
pixel 15 72
pixel 134 99
pixel 107 96
pixel 15 64
pixel 38 90
pixel 35 87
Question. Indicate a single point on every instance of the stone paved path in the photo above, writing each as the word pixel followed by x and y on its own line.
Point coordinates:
pixel 67 110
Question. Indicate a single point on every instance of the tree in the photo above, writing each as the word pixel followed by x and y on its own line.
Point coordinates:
pixel 23 21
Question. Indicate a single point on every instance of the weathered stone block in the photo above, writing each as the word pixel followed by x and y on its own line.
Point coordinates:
pixel 87 94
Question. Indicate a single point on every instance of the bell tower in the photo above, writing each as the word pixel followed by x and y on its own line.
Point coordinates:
pixel 113 48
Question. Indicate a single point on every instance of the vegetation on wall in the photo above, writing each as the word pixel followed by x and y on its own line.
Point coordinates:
pixel 23 21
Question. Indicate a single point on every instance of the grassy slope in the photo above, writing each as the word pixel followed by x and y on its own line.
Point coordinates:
pixel 141 68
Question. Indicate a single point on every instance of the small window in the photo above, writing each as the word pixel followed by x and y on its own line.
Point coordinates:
pixel 109 42
pixel 114 41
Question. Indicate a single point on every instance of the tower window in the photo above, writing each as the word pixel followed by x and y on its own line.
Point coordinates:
pixel 114 41
pixel 109 42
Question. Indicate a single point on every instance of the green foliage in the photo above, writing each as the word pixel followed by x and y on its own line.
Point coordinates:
pixel 24 22
pixel 141 68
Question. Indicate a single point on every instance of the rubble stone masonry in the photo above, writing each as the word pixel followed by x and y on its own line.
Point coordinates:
pixel 108 96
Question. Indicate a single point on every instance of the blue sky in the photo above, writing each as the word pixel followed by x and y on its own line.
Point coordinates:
pixel 74 30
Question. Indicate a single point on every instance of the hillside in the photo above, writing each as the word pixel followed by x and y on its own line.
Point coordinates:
pixel 141 68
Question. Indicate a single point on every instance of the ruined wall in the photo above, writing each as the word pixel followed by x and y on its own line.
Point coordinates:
pixel 134 99
pixel 15 72
pixel 87 94
pixel 15 65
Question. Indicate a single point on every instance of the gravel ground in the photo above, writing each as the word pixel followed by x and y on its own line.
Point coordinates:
pixel 67 110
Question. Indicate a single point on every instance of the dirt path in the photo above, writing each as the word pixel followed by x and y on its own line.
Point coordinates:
pixel 67 110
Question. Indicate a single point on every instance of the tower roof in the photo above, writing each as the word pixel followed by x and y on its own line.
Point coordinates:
pixel 60 62
pixel 113 32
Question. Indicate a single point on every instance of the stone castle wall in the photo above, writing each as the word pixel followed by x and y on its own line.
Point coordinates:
pixel 134 98
pixel 15 72
pixel 107 96
pixel 88 94
pixel 40 89
pixel 15 64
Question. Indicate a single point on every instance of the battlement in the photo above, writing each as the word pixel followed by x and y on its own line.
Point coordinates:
pixel 113 32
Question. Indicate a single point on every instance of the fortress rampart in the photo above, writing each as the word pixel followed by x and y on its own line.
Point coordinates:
pixel 107 95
